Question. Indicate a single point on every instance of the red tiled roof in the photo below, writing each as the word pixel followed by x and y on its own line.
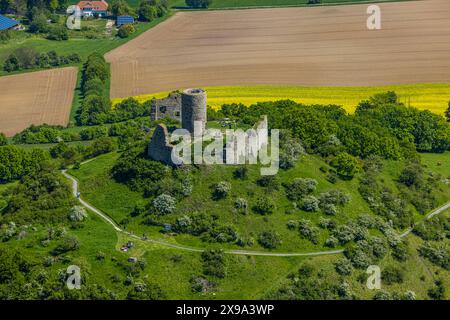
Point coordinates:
pixel 95 5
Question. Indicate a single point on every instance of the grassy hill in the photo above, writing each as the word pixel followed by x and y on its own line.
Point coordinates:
pixel 118 201
pixel 256 272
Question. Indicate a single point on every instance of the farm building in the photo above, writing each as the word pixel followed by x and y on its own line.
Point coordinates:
pixel 93 8
pixel 7 23
pixel 121 20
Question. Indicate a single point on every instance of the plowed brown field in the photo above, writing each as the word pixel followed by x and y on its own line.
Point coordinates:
pixel 36 98
pixel 321 46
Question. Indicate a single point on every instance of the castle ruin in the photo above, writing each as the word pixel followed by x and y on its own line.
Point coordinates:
pixel 190 107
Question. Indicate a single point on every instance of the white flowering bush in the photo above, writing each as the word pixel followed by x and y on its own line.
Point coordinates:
pixel 164 204
pixel 77 214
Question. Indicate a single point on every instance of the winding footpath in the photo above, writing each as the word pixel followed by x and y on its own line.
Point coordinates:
pixel 75 193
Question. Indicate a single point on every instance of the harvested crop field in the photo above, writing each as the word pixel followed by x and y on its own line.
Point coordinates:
pixel 36 98
pixel 320 46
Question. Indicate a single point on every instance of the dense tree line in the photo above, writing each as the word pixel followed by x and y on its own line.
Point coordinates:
pixel 40 197
pixel 29 58
pixel 16 163
pixel 152 9
pixel 380 126
pixel 96 107
pixel 197 4
pixel 24 7
pixel 126 133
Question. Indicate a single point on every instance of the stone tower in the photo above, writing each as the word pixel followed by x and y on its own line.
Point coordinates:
pixel 193 111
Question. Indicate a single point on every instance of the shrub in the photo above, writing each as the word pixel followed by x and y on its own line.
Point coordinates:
pixel 400 252
pixel 11 63
pixel 58 33
pixel 147 12
pixel 343 267
pixel 392 275
pixel 410 295
pixel 269 239
pixel 346 165
pixel 222 189
pixel 379 247
pixel 126 30
pixel 198 3
pixel 344 234
pixel 264 206
pixel 292 224
pixel 241 203
pixel 334 197
pixel 214 263
pixel 329 209
pixel 3 140
pixel 438 291
pixel 77 213
pixel 308 231
pixel 100 146
pixel 241 173
pixel 331 242
pixel 91 133
pixel 164 204
pixel 437 254
pixel 67 244
pixel 299 188
pixel 271 183
pixel 146 291
pixel 382 295
pixel 310 204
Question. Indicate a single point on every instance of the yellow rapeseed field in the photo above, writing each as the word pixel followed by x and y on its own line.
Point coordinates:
pixel 433 97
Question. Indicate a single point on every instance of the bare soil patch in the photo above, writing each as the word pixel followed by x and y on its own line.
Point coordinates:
pixel 321 46
pixel 36 98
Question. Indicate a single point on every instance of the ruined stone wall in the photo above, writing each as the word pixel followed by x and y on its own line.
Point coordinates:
pixel 167 107
pixel 160 148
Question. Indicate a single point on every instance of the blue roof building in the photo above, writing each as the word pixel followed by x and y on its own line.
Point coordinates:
pixel 121 20
pixel 7 23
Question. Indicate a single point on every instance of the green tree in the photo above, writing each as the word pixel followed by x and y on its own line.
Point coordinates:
pixel 198 3
pixel 447 113
pixel 58 33
pixel 39 24
pixel 147 12
pixel 11 64
pixel 121 8
pixel 346 165
pixel 126 30
pixel 94 109
pixel 146 291
pixel 269 239
pixel 3 140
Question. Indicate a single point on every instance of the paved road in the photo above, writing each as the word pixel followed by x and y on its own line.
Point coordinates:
pixel 235 252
